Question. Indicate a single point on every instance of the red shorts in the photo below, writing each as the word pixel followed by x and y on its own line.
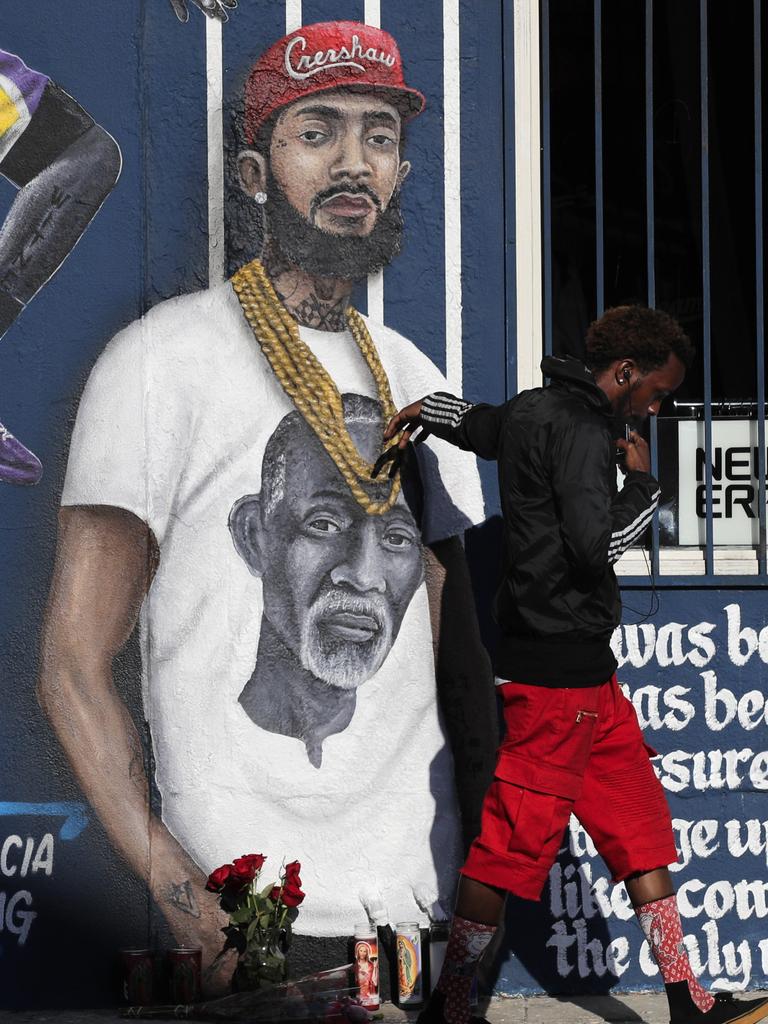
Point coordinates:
pixel 567 751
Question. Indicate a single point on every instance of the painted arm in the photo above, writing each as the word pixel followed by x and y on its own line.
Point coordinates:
pixel 104 565
pixel 464 678
pixel 64 166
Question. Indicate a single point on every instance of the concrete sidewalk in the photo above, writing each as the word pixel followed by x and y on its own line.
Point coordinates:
pixel 648 1008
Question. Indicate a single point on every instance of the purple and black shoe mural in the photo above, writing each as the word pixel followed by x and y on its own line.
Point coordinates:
pixel 18 465
pixel 64 166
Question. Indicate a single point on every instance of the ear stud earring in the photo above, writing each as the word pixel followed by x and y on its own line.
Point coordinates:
pixel 260 198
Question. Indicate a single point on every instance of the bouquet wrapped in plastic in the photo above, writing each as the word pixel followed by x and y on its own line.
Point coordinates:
pixel 327 997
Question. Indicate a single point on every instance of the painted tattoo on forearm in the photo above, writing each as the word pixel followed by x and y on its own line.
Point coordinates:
pixel 181 897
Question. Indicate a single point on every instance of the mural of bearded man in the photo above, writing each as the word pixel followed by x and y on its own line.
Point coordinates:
pixel 230 425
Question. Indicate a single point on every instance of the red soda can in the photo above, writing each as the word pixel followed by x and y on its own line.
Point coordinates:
pixel 185 973
pixel 137 976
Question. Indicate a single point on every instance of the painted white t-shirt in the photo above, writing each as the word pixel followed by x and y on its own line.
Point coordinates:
pixel 172 426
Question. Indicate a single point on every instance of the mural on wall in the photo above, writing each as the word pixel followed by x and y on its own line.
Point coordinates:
pixel 179 426
pixel 211 8
pixel 64 166
pixel 289 677
pixel 22 858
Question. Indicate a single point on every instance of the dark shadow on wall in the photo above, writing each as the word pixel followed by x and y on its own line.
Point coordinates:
pixel 463 677
pixel 483 545
pixel 91 905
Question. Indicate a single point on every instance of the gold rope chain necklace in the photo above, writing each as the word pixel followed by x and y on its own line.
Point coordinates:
pixel 309 385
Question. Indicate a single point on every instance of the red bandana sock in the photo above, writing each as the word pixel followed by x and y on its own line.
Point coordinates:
pixel 466 944
pixel 660 921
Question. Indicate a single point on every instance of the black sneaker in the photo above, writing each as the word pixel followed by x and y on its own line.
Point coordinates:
pixel 726 1010
pixel 433 1012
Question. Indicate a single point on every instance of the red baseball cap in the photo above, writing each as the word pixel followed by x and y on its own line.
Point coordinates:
pixel 328 55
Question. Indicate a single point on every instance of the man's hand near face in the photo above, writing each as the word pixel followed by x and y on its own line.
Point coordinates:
pixel 637 455
pixel 211 8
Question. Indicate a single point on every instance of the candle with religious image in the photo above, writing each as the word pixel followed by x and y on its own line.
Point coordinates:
pixel 185 974
pixel 409 975
pixel 367 966
pixel 138 972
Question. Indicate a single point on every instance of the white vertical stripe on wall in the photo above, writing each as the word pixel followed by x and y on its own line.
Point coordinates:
pixel 452 171
pixel 527 194
pixel 292 15
pixel 372 16
pixel 214 70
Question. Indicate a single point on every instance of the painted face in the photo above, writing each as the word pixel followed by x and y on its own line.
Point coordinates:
pixel 337 581
pixel 647 391
pixel 336 158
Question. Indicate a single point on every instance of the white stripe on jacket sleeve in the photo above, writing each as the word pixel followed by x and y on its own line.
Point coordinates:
pixel 622 540
pixel 441 407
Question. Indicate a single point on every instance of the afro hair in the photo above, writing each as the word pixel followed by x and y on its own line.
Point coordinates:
pixel 647 336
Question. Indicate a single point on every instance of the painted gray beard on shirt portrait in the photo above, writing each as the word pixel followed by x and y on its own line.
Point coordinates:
pixel 336 581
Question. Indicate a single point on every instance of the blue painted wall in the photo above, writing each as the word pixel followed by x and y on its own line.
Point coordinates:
pixel 66 899
pixel 83 898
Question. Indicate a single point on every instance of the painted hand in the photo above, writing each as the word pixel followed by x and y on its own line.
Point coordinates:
pixel 196 920
pixel 211 8
pixel 206 932
pixel 217 971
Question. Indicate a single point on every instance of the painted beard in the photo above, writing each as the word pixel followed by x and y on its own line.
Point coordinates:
pixel 345 638
pixel 322 254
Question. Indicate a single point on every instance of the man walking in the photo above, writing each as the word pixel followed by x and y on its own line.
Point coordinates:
pixel 572 743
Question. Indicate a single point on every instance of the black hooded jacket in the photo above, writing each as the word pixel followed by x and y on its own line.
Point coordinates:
pixel 565 522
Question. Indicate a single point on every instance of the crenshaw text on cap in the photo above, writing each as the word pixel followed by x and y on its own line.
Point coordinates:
pixel 328 55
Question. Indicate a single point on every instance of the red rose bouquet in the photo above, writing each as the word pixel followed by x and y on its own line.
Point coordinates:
pixel 260 919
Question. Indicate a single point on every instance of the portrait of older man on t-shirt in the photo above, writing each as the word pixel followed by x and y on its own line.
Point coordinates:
pixel 337 582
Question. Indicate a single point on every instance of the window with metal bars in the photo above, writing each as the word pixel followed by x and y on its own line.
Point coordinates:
pixel 652 193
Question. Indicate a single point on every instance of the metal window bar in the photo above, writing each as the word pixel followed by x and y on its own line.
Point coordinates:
pixel 510 241
pixel 762 555
pixel 650 231
pixel 599 198
pixel 709 552
pixel 731 406
pixel 546 174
